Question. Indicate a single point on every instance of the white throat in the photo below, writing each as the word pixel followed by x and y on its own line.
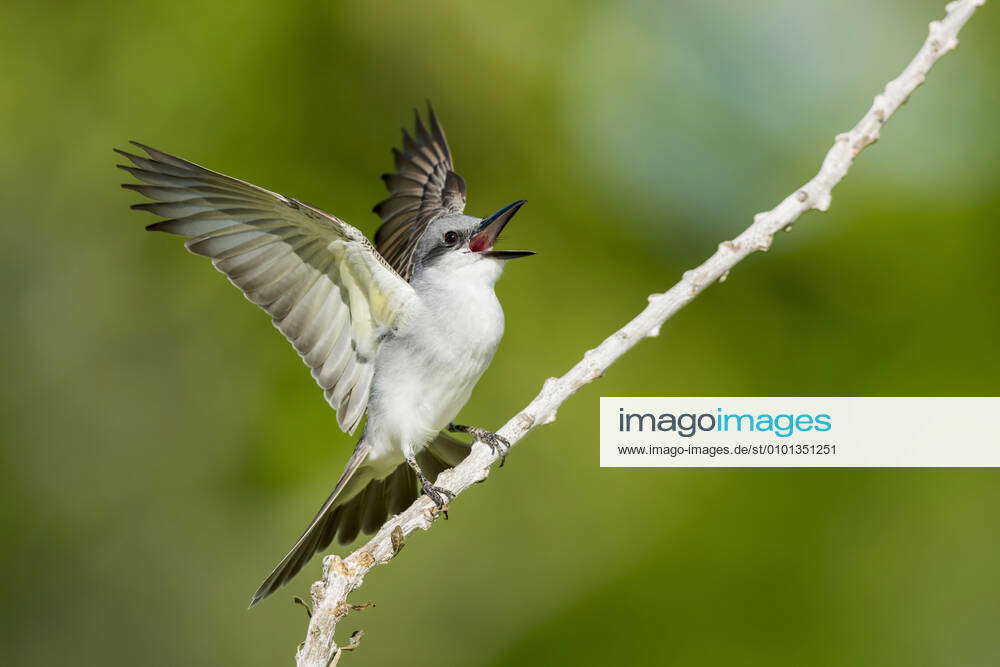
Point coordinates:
pixel 458 273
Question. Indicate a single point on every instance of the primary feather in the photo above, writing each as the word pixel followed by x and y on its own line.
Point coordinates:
pixel 424 188
pixel 325 286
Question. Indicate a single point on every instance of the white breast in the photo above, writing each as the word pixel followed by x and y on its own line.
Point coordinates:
pixel 425 373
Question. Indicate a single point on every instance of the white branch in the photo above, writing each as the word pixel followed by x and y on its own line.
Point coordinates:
pixel 342 576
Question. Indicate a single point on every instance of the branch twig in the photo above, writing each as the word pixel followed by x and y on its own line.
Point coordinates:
pixel 342 576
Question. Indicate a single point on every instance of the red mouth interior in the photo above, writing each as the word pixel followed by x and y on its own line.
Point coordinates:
pixel 479 243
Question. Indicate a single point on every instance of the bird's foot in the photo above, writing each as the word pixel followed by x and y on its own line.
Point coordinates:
pixel 498 444
pixel 439 495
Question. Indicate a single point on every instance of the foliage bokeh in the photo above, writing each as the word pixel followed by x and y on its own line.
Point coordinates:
pixel 162 446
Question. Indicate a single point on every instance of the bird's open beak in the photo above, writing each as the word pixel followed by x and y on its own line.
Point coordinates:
pixel 484 238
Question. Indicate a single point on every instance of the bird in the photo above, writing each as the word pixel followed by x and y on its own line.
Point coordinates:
pixel 400 330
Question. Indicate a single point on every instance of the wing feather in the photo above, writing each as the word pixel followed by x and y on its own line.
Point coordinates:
pixel 425 187
pixel 324 285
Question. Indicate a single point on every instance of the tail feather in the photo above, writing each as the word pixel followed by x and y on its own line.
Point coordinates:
pixel 442 453
pixel 375 510
pixel 321 527
pixel 350 524
pixel 350 509
pixel 401 489
pixel 448 450
pixel 330 529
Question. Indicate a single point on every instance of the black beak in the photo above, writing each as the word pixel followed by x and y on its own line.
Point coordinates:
pixel 484 238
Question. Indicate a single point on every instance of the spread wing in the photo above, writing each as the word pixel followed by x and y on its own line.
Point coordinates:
pixel 423 188
pixel 323 284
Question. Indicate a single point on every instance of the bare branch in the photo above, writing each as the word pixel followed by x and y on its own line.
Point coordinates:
pixel 342 576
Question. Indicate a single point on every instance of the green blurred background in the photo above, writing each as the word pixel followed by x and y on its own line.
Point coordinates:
pixel 163 446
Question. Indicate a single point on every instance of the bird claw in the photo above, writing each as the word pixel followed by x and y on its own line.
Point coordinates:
pixel 439 496
pixel 498 444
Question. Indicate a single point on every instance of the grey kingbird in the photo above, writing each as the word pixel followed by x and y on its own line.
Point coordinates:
pixel 402 332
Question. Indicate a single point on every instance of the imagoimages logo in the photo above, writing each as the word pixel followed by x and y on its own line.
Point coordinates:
pixel 798 431
pixel 688 424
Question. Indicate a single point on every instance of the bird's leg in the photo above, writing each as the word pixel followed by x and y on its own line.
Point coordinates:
pixel 439 495
pixel 497 443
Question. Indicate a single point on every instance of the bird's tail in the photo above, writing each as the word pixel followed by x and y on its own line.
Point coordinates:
pixel 359 502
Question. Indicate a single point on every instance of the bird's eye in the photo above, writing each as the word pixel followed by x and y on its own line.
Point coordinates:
pixel 451 238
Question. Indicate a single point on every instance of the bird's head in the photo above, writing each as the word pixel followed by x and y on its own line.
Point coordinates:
pixel 462 244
